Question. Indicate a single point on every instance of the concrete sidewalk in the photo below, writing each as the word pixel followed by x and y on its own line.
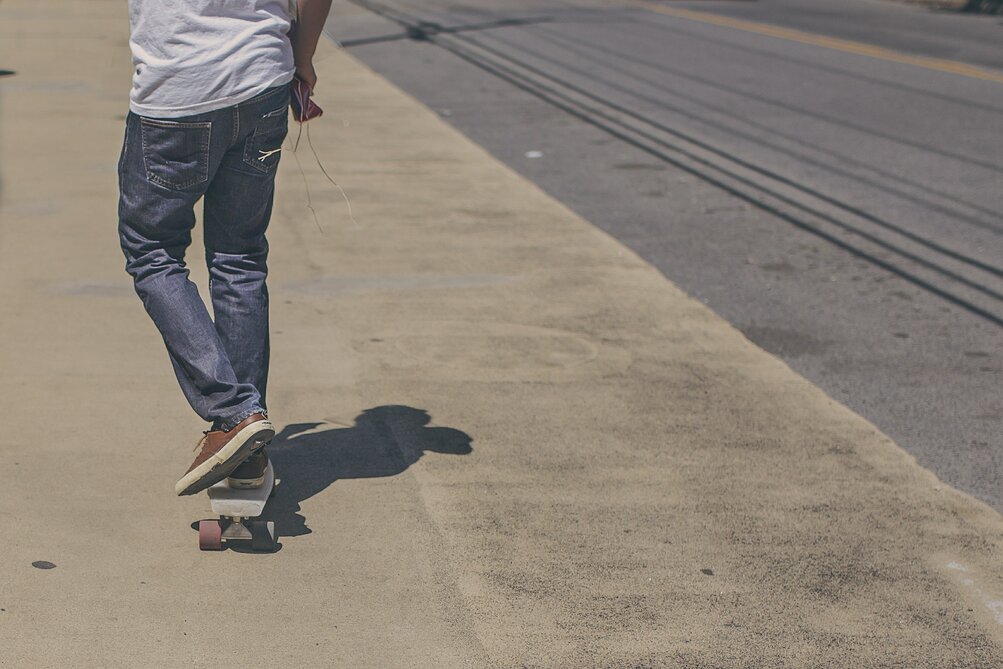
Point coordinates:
pixel 507 441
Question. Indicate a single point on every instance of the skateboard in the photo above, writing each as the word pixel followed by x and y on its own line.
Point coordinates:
pixel 237 509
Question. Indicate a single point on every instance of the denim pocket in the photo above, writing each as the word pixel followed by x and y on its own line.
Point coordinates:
pixel 176 153
pixel 264 146
pixel 284 109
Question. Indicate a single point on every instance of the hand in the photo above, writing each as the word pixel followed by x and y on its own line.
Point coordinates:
pixel 307 74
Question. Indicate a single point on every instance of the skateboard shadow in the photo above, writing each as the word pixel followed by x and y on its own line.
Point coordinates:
pixel 384 441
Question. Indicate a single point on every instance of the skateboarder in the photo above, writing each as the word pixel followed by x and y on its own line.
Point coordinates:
pixel 208 114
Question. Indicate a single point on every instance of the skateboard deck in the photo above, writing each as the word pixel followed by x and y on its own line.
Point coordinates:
pixel 241 502
pixel 237 508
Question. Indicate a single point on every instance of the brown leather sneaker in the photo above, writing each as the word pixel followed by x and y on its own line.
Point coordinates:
pixel 221 452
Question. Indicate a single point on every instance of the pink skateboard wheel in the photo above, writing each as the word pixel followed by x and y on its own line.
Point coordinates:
pixel 210 535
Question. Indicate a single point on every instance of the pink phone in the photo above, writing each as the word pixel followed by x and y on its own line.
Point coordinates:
pixel 304 108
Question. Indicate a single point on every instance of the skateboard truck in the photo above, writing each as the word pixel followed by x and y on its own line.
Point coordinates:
pixel 238 508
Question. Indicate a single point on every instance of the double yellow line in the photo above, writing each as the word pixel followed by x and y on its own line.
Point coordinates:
pixel 859 48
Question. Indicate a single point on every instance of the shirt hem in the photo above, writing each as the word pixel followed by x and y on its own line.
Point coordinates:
pixel 150 111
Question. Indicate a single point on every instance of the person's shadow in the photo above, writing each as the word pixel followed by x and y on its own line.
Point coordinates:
pixel 385 441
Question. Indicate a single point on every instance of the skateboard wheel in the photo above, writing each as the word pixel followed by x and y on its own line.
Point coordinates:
pixel 210 535
pixel 263 536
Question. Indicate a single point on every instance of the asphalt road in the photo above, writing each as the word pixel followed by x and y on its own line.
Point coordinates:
pixel 837 203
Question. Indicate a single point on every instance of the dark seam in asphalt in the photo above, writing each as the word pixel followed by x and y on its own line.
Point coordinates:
pixel 547 95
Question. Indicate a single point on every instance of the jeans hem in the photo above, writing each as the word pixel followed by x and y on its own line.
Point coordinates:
pixel 231 423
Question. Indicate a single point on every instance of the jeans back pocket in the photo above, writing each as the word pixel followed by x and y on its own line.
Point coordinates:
pixel 264 146
pixel 176 153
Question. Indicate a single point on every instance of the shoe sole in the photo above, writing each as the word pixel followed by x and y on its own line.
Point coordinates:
pixel 245 443
pixel 246 484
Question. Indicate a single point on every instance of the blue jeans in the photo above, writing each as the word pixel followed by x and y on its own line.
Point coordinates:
pixel 229 157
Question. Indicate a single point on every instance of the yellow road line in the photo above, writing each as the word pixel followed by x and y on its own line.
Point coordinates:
pixel 859 48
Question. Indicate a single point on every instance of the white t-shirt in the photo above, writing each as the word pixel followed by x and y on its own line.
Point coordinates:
pixel 195 56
